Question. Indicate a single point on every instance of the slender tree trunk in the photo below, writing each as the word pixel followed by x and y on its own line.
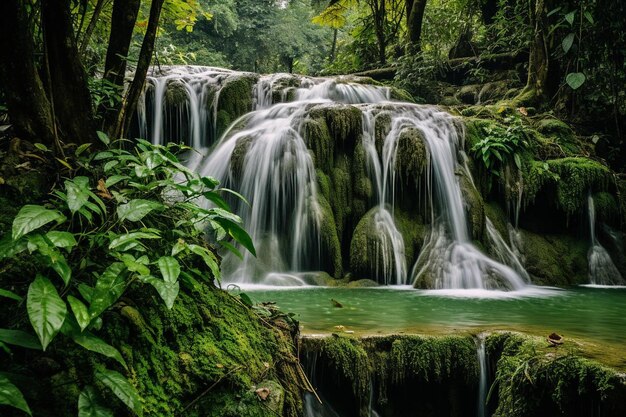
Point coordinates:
pixel 537 87
pixel 414 20
pixel 68 81
pixel 30 110
pixel 379 16
pixel 333 49
pixel 122 24
pixel 84 40
pixel 129 103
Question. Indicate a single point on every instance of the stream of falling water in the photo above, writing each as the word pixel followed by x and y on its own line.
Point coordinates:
pixel 602 270
pixel 264 156
pixel 482 381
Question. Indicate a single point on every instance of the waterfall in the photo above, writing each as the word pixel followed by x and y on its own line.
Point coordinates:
pixel 482 382
pixel 507 255
pixel 264 156
pixel 602 270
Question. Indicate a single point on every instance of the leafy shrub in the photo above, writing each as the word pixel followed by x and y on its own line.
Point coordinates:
pixel 134 220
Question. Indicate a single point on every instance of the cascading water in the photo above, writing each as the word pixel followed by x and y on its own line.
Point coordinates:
pixel 602 270
pixel 482 382
pixel 264 156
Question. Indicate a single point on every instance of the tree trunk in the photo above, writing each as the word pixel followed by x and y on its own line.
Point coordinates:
pixel 537 87
pixel 333 49
pixel 122 25
pixel 129 103
pixel 414 20
pixel 67 78
pixel 29 109
pixel 84 40
pixel 379 17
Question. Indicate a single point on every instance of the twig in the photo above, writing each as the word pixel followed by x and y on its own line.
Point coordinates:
pixel 206 391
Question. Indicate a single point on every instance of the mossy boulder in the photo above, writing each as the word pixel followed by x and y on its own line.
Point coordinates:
pixel 411 155
pixel 371 247
pixel 474 207
pixel 234 100
pixel 343 122
pixel 398 94
pixel 331 258
pixel 553 381
pixel 208 338
pixel 176 94
pixel 555 259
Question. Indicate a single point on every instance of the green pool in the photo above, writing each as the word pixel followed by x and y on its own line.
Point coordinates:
pixel 597 314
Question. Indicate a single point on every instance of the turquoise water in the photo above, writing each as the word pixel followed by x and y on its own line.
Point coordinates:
pixel 597 314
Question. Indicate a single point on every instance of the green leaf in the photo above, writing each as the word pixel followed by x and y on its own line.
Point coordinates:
pixel 85 291
pixel 570 17
pixel 41 147
pixel 232 249
pixel 9 247
pixel 10 294
pixel 89 406
pixel 167 290
pixel 589 17
pixel 61 239
pixel 109 287
pixel 121 241
pixel 209 259
pixel 80 312
pixel 134 265
pixel 19 338
pixel 10 395
pixel 568 41
pixel 32 217
pixel 169 267
pixel 82 148
pixel 575 80
pixel 54 257
pixel 114 179
pixel 136 210
pixel 238 234
pixel 518 161
pixel 216 199
pixel 245 298
pixel 77 193
pixel 46 310
pixel 95 344
pixel 121 388
pixel 104 138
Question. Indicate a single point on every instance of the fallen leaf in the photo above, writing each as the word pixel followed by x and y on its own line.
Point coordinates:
pixel 523 111
pixel 263 393
pixel 103 191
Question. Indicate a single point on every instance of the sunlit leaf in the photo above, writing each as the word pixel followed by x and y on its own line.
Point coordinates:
pixel 10 395
pixel 31 217
pixel 46 310
pixel 121 388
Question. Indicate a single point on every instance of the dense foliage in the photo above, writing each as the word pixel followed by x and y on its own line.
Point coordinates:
pixel 131 220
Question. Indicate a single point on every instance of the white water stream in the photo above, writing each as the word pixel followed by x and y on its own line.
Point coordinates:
pixel 264 156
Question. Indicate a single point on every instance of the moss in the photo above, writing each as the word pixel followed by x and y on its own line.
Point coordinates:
pixel 606 206
pixel 234 100
pixel 317 138
pixel 331 259
pixel 382 127
pixel 555 259
pixel 411 155
pixel 343 122
pixel 533 379
pixel 341 193
pixel 474 208
pixel 207 339
pixel 238 156
pixel 323 182
pixel 176 93
pixel 413 231
pixel 398 94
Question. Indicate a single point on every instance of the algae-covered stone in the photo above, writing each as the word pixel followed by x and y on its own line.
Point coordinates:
pixel 331 258
pixel 555 259
pixel 176 93
pixel 234 100
pixel 411 155
pixel 343 122
pixel 552 382
pixel 474 207
pixel 238 156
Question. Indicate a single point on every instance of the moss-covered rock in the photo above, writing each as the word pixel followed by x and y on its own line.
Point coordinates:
pixel 343 122
pixel 234 100
pixel 534 379
pixel 555 259
pixel 208 339
pixel 411 155
pixel 399 94
pixel 176 94
pixel 474 208
pixel 331 249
